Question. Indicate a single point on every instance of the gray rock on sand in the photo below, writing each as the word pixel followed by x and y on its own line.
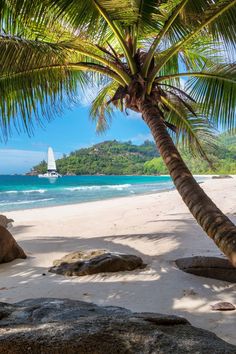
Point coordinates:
pixel 5 222
pixel 209 267
pixel 221 177
pixel 223 306
pixel 55 326
pixel 96 261
pixel 9 249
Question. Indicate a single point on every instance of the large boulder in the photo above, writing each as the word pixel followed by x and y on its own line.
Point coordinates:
pixel 55 326
pixel 96 261
pixel 9 249
pixel 209 267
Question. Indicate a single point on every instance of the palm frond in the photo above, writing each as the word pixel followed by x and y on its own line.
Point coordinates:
pixel 161 34
pixel 222 7
pixel 101 111
pixel 34 95
pixel 201 52
pixel 38 79
pixel 92 17
pixel 19 54
pixel 149 19
pixel 171 67
pixel 215 92
pixel 193 131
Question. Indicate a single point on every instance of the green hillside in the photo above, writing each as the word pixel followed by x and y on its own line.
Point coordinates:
pixel 109 157
pixel 118 158
pixel 223 159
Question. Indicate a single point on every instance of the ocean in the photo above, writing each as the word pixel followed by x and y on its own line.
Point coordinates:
pixel 27 192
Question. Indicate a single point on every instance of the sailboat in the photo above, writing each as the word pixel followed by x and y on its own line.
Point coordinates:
pixel 52 168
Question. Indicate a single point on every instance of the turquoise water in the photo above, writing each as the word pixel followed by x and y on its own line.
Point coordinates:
pixel 26 192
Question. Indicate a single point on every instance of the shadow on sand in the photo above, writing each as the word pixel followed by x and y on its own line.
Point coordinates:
pixel 161 287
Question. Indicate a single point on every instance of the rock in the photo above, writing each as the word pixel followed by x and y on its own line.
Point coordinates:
pixel 9 249
pixel 209 267
pixel 223 306
pixel 96 261
pixel 221 176
pixel 55 326
pixel 5 222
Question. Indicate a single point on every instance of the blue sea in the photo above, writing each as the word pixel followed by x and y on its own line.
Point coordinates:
pixel 27 192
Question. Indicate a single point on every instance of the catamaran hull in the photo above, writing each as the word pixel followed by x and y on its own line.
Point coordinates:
pixel 46 175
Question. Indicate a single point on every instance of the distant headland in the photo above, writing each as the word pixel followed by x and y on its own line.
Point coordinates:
pixel 125 158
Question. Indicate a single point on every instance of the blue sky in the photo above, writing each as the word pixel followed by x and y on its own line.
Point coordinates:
pixel 70 131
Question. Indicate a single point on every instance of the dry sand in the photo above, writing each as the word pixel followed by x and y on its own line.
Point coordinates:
pixel 157 227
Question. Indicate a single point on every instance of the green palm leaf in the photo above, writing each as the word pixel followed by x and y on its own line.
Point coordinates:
pixel 194 132
pixel 36 95
pixel 215 11
pixel 215 91
pixel 101 111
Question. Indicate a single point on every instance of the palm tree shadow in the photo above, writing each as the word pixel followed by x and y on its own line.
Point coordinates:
pixel 161 287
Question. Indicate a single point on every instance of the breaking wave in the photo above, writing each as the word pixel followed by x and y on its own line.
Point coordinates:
pixel 27 201
pixel 114 186
pixel 25 191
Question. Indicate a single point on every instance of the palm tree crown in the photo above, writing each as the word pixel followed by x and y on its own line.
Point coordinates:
pixel 49 48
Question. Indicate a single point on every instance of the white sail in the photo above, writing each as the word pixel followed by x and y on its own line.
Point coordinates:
pixel 52 168
pixel 51 160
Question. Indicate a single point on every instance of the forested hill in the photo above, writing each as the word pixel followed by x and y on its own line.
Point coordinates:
pixel 109 157
pixel 113 157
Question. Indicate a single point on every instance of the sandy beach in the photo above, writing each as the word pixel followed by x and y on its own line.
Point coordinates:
pixel 157 227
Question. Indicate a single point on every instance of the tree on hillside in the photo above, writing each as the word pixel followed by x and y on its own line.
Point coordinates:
pixel 139 53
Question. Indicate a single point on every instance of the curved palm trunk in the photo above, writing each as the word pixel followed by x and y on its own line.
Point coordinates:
pixel 209 217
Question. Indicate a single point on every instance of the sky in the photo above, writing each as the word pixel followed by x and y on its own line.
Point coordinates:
pixel 70 131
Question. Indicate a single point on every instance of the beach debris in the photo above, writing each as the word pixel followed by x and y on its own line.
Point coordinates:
pixel 223 306
pixel 52 325
pixel 209 267
pixel 9 249
pixel 5 222
pixel 95 261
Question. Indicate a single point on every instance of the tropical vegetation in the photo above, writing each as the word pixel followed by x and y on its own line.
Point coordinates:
pixel 109 158
pixel 222 156
pixel 125 158
pixel 169 60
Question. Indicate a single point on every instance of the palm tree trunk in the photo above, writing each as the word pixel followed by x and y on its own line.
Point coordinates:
pixel 209 217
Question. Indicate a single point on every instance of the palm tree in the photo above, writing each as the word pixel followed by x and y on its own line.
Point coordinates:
pixel 170 60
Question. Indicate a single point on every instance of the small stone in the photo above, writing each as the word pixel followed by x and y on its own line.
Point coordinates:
pixel 221 177
pixel 43 274
pixel 223 306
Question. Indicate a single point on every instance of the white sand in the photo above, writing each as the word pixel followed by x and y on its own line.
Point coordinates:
pixel 157 227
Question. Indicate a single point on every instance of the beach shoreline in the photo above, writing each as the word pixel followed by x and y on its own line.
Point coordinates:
pixel 157 227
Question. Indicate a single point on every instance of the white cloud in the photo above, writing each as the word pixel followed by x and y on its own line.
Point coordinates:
pixel 20 161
